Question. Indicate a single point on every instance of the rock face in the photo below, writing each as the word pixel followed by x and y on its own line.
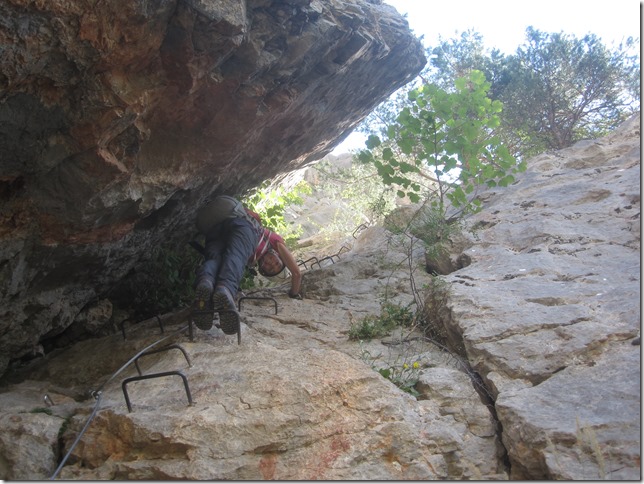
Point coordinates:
pixel 542 381
pixel 118 119
pixel 294 401
pixel 549 307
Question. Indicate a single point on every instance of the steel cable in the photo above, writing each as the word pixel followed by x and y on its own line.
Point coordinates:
pixel 98 395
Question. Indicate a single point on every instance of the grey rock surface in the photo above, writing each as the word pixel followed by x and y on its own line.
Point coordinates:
pixel 548 309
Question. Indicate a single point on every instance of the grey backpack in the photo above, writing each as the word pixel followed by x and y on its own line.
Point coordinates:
pixel 218 210
pixel 221 208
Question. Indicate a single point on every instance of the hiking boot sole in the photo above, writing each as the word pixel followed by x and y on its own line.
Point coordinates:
pixel 203 319
pixel 229 322
pixel 202 312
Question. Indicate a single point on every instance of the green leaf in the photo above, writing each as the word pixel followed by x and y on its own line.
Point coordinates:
pixel 365 156
pixel 507 180
pixel 450 164
pixel 493 122
pixel 407 168
pixel 406 145
pixel 373 141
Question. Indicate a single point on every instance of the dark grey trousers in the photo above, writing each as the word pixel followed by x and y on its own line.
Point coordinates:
pixel 228 248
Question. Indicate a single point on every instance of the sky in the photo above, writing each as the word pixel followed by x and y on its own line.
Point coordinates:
pixel 502 24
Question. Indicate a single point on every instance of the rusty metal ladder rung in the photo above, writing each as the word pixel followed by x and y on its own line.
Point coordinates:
pixel 164 348
pixel 156 375
pixel 260 298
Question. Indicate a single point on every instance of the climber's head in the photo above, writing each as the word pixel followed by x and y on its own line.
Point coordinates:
pixel 270 264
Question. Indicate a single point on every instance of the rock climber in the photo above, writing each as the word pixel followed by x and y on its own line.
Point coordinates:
pixel 235 238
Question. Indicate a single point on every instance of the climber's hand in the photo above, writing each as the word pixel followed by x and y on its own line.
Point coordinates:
pixel 296 295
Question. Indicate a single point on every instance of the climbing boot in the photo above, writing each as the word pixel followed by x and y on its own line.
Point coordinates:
pixel 202 309
pixel 229 322
pixel 224 304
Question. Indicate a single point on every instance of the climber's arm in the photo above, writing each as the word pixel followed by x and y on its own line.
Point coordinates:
pixel 291 263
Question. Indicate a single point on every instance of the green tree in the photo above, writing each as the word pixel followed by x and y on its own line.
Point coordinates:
pixel 458 57
pixel 449 60
pixel 443 145
pixel 556 89
pixel 564 89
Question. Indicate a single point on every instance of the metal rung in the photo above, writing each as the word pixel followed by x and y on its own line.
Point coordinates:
pixel 359 228
pixel 122 325
pixel 156 375
pixel 322 260
pixel 303 262
pixel 165 348
pixel 258 298
pixel 345 248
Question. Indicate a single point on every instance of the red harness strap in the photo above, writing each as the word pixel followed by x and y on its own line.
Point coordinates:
pixel 262 246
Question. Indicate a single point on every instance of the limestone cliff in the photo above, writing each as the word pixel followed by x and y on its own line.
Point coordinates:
pixel 537 375
pixel 549 309
pixel 119 118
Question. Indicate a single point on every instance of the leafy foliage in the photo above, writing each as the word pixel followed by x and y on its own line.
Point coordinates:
pixel 403 373
pixel 404 376
pixel 565 89
pixel 270 202
pixel 458 57
pixel 447 139
pixel 162 283
pixel 364 197
pixel 556 89
pixel 430 226
pixel 391 317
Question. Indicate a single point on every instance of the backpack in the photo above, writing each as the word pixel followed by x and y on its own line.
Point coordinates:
pixel 221 208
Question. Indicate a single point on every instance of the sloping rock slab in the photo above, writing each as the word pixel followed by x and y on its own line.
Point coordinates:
pixel 294 401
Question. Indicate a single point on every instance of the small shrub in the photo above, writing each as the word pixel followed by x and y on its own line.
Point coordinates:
pixel 404 376
pixel 391 316
pixel 369 327
pixel 431 226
